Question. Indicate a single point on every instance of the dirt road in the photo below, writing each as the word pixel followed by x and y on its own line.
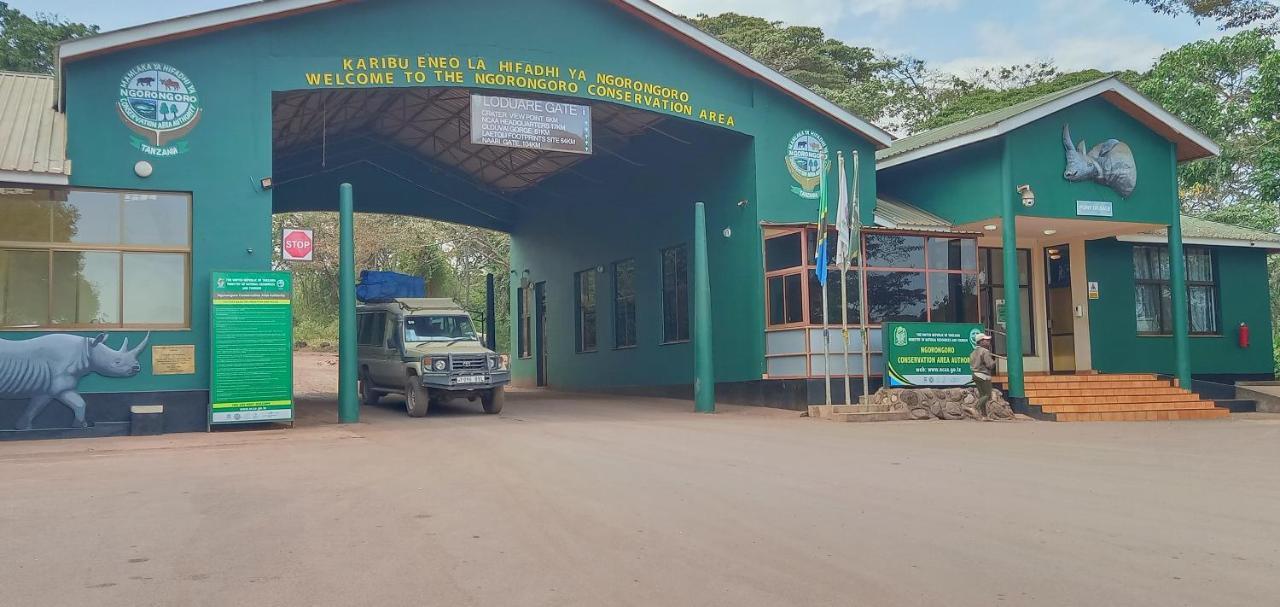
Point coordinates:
pixel 574 500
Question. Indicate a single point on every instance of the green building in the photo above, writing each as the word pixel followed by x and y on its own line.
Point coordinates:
pixel 188 134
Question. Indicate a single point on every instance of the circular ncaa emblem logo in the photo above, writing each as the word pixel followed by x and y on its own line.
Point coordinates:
pixel 806 155
pixel 900 336
pixel 161 105
pixel 973 336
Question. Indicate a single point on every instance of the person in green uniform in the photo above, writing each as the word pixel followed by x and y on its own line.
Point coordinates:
pixel 983 365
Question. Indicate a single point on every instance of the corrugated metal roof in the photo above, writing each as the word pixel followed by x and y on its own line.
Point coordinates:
pixel 976 123
pixel 1194 228
pixel 33 136
pixel 897 214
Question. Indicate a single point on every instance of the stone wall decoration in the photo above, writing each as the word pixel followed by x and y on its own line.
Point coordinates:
pixel 943 403
pixel 49 367
pixel 1109 163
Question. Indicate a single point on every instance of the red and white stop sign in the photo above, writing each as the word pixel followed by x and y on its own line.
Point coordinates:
pixel 297 245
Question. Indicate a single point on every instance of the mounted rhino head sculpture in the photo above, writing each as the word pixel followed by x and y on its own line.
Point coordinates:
pixel 1109 163
pixel 49 367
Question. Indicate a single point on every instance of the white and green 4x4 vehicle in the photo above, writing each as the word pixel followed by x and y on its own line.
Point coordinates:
pixel 427 350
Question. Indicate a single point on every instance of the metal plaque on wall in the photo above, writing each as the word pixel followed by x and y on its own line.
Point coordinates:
pixel 530 123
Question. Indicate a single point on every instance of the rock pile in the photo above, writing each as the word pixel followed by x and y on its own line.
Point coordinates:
pixel 943 403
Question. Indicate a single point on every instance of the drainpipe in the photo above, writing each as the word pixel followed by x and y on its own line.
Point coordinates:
pixel 1012 301
pixel 704 382
pixel 1178 287
pixel 348 405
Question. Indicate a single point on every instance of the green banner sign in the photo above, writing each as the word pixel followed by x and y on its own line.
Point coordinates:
pixel 252 355
pixel 928 354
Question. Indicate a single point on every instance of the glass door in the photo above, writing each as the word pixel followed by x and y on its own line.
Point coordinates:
pixel 1060 312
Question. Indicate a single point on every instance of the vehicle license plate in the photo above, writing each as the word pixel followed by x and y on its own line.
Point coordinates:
pixel 471 379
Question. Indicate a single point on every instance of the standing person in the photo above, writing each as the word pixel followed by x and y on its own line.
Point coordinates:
pixel 983 365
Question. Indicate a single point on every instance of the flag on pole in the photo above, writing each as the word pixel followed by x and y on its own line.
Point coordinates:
pixel 842 222
pixel 820 259
pixel 855 218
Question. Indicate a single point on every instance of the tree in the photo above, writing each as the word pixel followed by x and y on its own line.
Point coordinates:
pixel 1001 87
pixel 1226 89
pixel 1230 14
pixel 27 44
pixel 895 92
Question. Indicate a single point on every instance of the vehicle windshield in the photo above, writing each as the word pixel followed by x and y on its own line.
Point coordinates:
pixel 438 328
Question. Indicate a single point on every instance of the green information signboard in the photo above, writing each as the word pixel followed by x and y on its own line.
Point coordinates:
pixel 927 354
pixel 252 354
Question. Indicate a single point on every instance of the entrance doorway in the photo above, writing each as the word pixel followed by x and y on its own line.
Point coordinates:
pixel 540 329
pixel 1060 309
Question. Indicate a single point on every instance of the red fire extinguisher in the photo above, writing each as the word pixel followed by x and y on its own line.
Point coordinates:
pixel 1243 335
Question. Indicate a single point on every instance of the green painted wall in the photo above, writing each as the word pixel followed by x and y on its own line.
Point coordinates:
pixel 962 185
pixel 236 71
pixel 635 218
pixel 1038 159
pixel 1242 297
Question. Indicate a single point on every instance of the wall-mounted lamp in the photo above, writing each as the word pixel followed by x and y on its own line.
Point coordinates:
pixel 266 183
pixel 142 169
pixel 727 232
pixel 600 269
pixel 1050 232
pixel 991 227
pixel 1028 196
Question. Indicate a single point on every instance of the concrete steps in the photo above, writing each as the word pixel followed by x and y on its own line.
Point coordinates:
pixel 857 413
pixel 1119 397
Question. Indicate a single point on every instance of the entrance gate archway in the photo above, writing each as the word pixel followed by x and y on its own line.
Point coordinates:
pixel 409 151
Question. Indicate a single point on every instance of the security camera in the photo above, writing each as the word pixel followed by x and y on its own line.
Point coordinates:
pixel 1028 196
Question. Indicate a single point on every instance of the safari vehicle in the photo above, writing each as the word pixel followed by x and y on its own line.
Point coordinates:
pixel 427 350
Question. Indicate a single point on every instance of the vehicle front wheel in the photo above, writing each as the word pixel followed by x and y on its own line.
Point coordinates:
pixel 416 399
pixel 493 400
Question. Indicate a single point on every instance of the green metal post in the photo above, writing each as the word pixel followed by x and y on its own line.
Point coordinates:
pixel 1178 291
pixel 1012 303
pixel 704 382
pixel 348 404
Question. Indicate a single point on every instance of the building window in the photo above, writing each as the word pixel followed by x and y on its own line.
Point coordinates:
pixel 910 278
pixel 624 304
pixel 994 284
pixel 525 320
pixel 784 279
pixel 1153 302
pixel 91 259
pixel 585 298
pixel 675 294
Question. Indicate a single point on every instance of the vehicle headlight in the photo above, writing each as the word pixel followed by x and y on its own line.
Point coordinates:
pixel 493 362
pixel 440 364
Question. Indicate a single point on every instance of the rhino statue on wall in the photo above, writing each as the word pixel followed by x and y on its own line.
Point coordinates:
pixel 1109 163
pixel 49 367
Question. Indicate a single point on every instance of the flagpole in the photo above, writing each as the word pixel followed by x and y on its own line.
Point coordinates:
pixel 862 283
pixel 843 253
pixel 821 266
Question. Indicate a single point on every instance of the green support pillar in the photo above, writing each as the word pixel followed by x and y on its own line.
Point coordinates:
pixel 1178 291
pixel 704 382
pixel 1012 303
pixel 348 403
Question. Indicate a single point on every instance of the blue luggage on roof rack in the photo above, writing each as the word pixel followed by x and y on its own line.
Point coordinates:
pixel 378 286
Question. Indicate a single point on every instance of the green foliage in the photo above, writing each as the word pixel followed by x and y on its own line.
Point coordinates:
pixel 453 259
pixel 894 92
pixel 980 99
pixel 1263 15
pixel 27 44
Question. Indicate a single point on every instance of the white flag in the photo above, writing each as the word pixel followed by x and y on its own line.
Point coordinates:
pixel 842 221
pixel 855 228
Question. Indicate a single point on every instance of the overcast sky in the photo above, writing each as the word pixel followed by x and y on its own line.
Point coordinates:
pixel 957 35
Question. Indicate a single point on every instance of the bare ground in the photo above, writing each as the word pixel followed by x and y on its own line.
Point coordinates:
pixel 584 500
